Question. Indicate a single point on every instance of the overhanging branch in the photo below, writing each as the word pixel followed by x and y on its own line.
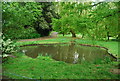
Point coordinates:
pixel 111 14
pixel 92 5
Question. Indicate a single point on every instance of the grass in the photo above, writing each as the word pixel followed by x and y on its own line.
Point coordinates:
pixel 54 40
pixel 45 67
pixel 111 45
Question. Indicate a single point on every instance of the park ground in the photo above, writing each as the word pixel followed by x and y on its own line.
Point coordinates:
pixel 44 67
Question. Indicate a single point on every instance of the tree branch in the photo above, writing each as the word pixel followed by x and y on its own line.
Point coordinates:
pixel 111 14
pixel 95 4
pixel 92 5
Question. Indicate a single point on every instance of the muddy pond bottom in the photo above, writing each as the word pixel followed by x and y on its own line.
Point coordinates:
pixel 70 53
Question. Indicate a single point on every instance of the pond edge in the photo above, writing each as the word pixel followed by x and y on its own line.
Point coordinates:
pixel 78 44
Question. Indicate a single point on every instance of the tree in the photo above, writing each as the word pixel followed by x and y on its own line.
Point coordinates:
pixel 27 19
pixel 17 15
pixel 71 18
pixel 104 22
pixel 42 25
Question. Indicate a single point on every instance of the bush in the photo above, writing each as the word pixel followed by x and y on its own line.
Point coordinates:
pixel 7 46
pixel 21 33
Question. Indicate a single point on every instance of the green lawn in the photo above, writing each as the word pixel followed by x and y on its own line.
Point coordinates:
pixel 111 45
pixel 46 68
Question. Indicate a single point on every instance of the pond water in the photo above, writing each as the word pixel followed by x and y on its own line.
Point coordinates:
pixel 70 53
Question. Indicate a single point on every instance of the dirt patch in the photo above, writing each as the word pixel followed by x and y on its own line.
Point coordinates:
pixel 44 38
pixel 42 44
pixel 93 46
pixel 36 39
pixel 115 71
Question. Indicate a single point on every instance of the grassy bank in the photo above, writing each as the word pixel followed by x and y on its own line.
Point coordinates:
pixel 111 45
pixel 44 67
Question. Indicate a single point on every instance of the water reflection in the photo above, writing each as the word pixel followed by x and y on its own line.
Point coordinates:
pixel 76 55
pixel 69 53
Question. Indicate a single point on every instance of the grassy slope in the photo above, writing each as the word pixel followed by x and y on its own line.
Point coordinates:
pixel 111 45
pixel 47 68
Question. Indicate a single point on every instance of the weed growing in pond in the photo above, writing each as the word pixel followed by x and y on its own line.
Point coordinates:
pixel 40 54
pixel 103 61
pixel 46 55
pixel 107 60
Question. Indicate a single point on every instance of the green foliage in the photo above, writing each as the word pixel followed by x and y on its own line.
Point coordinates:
pixel 19 14
pixel 7 46
pixel 102 23
pixel 42 25
pixel 89 19
pixel 71 19
pixel 21 33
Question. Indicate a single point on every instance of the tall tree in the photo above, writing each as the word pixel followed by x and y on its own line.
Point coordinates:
pixel 20 16
pixel 104 20
pixel 42 25
pixel 71 18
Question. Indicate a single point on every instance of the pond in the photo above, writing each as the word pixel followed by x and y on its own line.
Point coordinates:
pixel 70 53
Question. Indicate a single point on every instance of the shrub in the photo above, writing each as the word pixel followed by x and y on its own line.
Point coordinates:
pixel 21 33
pixel 7 46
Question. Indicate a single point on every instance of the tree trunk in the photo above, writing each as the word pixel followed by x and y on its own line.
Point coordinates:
pixel 107 32
pixel 63 34
pixel 108 35
pixel 118 37
pixel 82 35
pixel 73 33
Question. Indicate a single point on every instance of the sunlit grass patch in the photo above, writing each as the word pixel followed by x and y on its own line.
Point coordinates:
pixel 45 67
